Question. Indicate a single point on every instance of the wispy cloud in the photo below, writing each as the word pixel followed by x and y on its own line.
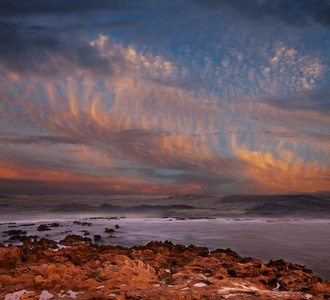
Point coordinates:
pixel 317 100
pixel 145 97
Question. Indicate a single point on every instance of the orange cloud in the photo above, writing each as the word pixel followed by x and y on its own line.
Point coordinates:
pixel 269 175
pixel 22 180
pixel 93 130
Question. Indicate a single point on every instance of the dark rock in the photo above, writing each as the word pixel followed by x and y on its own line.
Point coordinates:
pixel 15 232
pixel 82 223
pixel 97 237
pixel 43 227
pixel 74 239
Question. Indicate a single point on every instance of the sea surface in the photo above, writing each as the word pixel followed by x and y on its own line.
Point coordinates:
pixel 295 228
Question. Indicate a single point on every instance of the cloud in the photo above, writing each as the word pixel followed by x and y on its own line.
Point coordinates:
pixel 266 174
pixel 46 52
pixel 10 138
pixel 103 114
pixel 292 12
pixel 314 100
pixel 188 84
pixel 294 134
pixel 64 7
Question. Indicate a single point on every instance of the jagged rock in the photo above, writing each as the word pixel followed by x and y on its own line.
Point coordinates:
pixel 155 271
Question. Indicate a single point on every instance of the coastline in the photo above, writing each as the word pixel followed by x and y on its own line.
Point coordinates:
pixel 291 240
pixel 74 268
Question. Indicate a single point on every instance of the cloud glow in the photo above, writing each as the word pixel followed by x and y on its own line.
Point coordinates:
pixel 111 114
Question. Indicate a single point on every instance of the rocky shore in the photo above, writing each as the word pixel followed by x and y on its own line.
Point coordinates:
pixel 74 268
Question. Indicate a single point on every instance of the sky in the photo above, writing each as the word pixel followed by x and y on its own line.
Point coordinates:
pixel 164 97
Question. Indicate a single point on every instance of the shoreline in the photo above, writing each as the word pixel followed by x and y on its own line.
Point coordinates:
pixel 280 239
pixel 74 268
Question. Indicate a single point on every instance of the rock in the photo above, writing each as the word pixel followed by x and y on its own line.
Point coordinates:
pixel 82 223
pixel 15 232
pixel 38 280
pixel 74 239
pixel 109 230
pixel 155 271
pixel 43 227
pixel 97 237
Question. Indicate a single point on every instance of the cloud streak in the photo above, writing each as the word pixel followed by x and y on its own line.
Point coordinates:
pixel 89 104
pixel 317 100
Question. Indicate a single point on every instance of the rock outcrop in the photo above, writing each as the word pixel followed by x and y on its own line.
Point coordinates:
pixel 43 269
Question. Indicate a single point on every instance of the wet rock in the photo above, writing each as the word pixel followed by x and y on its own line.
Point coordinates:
pixel 82 223
pixel 18 238
pixel 43 227
pixel 15 232
pixel 109 230
pixel 97 237
pixel 74 239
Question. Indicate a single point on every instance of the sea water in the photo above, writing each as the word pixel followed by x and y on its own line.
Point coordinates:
pixel 304 241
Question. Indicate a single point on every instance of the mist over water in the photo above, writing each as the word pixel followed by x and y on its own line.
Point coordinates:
pixel 293 228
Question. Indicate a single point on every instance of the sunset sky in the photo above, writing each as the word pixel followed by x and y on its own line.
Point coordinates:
pixel 163 97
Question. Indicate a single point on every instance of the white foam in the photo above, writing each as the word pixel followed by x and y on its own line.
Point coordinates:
pixel 112 295
pixel 200 284
pixel 277 287
pixel 45 295
pixel 17 295
pixel 70 294
pixel 100 287
pixel 239 288
pixel 73 294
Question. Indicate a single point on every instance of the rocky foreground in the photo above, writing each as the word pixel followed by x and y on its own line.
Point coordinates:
pixel 72 268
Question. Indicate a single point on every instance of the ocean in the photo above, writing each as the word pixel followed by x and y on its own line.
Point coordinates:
pixel 295 228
